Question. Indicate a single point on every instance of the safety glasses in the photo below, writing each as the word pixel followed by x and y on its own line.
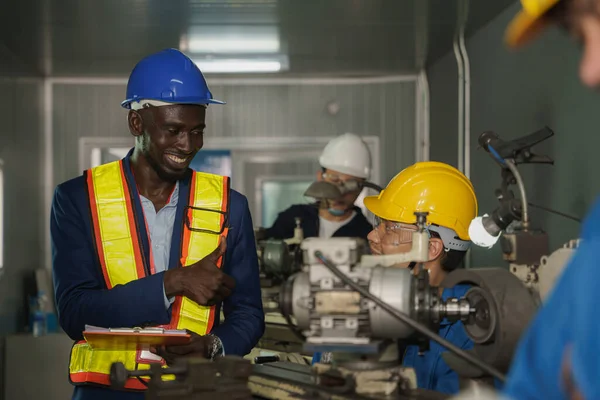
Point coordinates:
pixel 392 233
pixel 350 185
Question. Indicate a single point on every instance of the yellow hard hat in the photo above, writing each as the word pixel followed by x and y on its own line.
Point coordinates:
pixel 434 187
pixel 529 22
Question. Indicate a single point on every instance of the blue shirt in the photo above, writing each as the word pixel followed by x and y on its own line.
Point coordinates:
pixel 569 317
pixel 160 228
pixel 432 371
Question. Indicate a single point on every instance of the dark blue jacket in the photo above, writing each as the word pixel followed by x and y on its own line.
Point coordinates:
pixel 432 371
pixel 82 297
pixel 283 227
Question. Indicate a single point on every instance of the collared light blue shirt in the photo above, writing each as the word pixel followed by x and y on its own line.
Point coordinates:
pixel 160 228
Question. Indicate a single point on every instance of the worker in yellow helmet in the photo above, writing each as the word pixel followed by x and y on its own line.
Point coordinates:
pixel 558 356
pixel 449 198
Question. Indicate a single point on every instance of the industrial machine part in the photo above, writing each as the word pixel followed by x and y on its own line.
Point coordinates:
pixel 503 308
pixel 321 303
pixel 525 249
pixel 552 266
pixel 342 305
pixel 298 233
pixel 371 378
pixel 523 245
pixel 278 259
pixel 356 381
pixel 235 378
pixel 195 379
pixel 331 316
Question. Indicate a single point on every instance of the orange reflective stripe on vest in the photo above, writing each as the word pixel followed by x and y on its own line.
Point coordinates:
pixel 187 313
pixel 122 260
pixel 115 232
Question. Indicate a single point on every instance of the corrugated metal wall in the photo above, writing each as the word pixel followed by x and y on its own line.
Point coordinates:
pixel 386 110
pixel 20 150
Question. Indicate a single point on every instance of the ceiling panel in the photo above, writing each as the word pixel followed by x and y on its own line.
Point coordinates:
pixel 321 37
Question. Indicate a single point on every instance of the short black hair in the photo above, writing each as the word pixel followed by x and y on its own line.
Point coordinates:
pixel 451 259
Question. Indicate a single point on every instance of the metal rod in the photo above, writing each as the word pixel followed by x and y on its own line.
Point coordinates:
pixel 467 92
pixel 423 115
pixel 460 66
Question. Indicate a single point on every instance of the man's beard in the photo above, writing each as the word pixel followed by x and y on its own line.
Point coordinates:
pixel 165 175
pixel 160 171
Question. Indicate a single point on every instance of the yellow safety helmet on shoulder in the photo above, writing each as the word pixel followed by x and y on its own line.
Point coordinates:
pixel 434 187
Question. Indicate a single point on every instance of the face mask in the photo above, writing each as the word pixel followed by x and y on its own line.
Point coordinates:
pixel 335 212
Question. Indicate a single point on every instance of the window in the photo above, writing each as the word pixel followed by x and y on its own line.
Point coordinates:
pixel 277 195
pixel 212 161
pixel 102 155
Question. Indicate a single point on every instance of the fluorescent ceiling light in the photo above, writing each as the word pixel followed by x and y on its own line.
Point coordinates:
pixel 227 39
pixel 224 66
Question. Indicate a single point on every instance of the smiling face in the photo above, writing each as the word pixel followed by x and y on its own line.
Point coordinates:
pixel 169 137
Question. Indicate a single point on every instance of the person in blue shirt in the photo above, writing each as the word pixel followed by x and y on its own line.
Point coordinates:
pixel 122 233
pixel 449 198
pixel 559 355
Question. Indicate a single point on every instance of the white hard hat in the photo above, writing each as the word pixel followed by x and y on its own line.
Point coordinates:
pixel 347 154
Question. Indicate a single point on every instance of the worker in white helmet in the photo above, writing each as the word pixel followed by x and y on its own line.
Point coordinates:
pixel 346 162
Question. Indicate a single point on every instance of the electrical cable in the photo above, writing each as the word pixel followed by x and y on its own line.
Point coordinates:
pixel 513 168
pixel 550 210
pixel 372 185
pixel 409 321
pixel 524 204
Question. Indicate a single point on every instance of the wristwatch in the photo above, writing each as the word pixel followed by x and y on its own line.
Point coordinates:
pixel 216 347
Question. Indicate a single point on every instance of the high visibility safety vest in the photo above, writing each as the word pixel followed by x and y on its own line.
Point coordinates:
pixel 121 258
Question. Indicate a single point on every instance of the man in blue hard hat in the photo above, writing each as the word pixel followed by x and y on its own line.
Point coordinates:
pixel 558 356
pixel 147 242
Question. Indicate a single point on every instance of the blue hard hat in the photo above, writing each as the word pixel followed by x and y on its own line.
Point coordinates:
pixel 168 76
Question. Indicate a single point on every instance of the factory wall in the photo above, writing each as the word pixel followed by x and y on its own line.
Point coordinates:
pixel 514 94
pixel 278 110
pixel 21 153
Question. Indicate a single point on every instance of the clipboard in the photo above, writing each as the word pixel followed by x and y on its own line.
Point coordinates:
pixel 133 338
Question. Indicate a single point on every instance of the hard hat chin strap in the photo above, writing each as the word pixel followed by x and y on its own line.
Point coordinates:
pixel 450 238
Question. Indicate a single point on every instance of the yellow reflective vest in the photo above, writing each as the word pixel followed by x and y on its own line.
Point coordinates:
pixel 120 256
